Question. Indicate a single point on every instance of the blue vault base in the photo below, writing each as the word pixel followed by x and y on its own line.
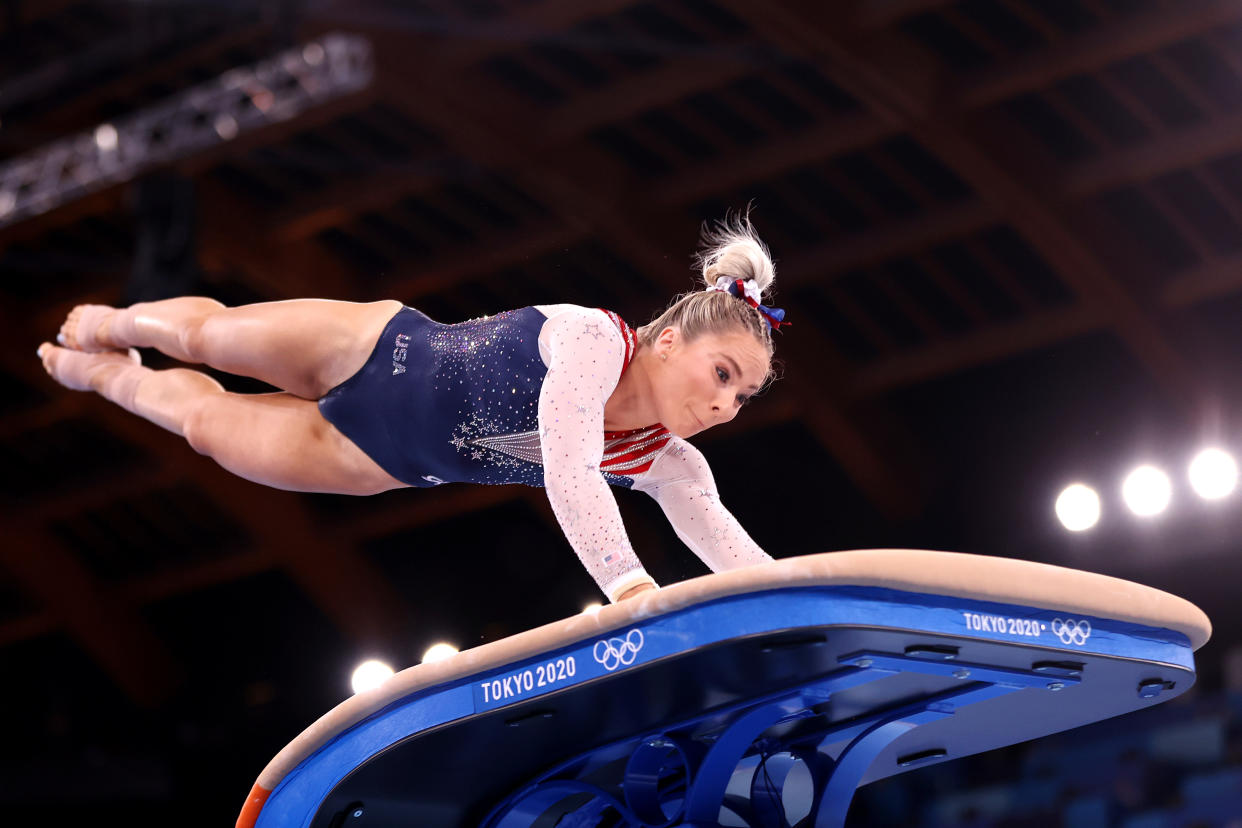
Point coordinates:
pixel 762 709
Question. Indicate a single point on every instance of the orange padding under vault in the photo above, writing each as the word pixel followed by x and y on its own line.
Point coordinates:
pixel 254 804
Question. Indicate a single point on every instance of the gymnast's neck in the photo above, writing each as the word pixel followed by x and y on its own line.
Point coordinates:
pixel 632 404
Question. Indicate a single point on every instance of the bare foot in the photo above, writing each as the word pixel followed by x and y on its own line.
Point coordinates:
pixel 76 369
pixel 85 328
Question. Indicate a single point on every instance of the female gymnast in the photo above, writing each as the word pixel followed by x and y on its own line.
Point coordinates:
pixel 377 396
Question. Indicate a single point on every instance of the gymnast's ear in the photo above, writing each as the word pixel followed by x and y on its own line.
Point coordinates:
pixel 668 338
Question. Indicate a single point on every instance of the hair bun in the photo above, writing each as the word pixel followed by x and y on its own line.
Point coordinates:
pixel 732 248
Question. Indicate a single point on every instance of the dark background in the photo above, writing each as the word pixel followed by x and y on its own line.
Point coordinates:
pixel 1008 234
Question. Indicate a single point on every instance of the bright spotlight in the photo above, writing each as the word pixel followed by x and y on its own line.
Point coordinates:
pixel 106 137
pixel 439 652
pixel 368 675
pixel 591 609
pixel 1213 474
pixel 1147 491
pixel 1078 507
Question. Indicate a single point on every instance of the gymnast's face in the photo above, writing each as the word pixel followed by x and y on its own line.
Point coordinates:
pixel 705 382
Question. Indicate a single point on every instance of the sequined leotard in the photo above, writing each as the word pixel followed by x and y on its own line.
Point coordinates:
pixel 519 398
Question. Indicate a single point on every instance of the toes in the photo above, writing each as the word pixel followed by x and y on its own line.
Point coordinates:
pixel 80 331
pixel 47 353
pixel 74 369
pixel 68 336
pixel 65 337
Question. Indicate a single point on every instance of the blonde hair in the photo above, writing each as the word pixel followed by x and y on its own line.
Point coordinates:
pixel 728 248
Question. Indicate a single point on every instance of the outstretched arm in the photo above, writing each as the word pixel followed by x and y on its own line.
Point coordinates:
pixel 586 355
pixel 681 482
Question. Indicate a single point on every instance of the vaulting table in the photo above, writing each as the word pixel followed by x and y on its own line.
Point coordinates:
pixel 759 697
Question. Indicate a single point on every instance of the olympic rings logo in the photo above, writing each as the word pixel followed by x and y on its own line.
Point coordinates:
pixel 1071 631
pixel 618 652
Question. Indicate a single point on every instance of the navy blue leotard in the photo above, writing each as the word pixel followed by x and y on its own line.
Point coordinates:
pixel 438 403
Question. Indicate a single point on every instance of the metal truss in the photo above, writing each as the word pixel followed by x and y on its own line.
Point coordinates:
pixel 215 112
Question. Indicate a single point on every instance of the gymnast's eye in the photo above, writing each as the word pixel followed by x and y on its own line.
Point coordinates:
pixel 723 374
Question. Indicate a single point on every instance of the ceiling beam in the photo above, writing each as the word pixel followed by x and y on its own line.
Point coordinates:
pixel 462 40
pixel 78 105
pixel 19 14
pixel 1094 49
pixel 819 143
pixel 232 234
pixel 109 630
pixel 1173 150
pixel 1211 280
pixel 980 347
pixel 880 14
pixel 668 83
pixel 818 264
pixel 894 82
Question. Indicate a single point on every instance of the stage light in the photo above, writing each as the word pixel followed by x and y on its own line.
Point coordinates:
pixel 439 652
pixel 1147 491
pixel 1213 474
pixel 106 137
pixel 185 124
pixel 1078 507
pixel 369 675
pixel 226 127
pixel 591 609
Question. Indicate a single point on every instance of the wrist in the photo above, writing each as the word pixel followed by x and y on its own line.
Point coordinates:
pixel 635 590
pixel 619 587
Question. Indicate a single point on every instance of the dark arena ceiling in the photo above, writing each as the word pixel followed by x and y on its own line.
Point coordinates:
pixel 1008 235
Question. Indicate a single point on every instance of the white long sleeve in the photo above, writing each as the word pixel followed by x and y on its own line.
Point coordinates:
pixel 681 482
pixel 585 354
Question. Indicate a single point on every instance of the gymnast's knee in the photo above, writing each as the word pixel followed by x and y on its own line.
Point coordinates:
pixel 200 329
pixel 204 428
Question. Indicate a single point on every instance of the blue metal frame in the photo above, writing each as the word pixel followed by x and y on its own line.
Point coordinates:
pixel 834 783
pixel 693 788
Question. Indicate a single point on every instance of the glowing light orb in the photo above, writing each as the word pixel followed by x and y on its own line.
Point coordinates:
pixel 1078 507
pixel 106 137
pixel 369 675
pixel 1147 491
pixel 439 652
pixel 1213 474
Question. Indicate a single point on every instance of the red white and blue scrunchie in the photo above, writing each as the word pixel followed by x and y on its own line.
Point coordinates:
pixel 749 293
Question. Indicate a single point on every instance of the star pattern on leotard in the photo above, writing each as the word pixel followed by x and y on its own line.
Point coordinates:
pixel 571 516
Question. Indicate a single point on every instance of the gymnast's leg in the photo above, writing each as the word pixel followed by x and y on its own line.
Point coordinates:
pixel 303 346
pixel 275 439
